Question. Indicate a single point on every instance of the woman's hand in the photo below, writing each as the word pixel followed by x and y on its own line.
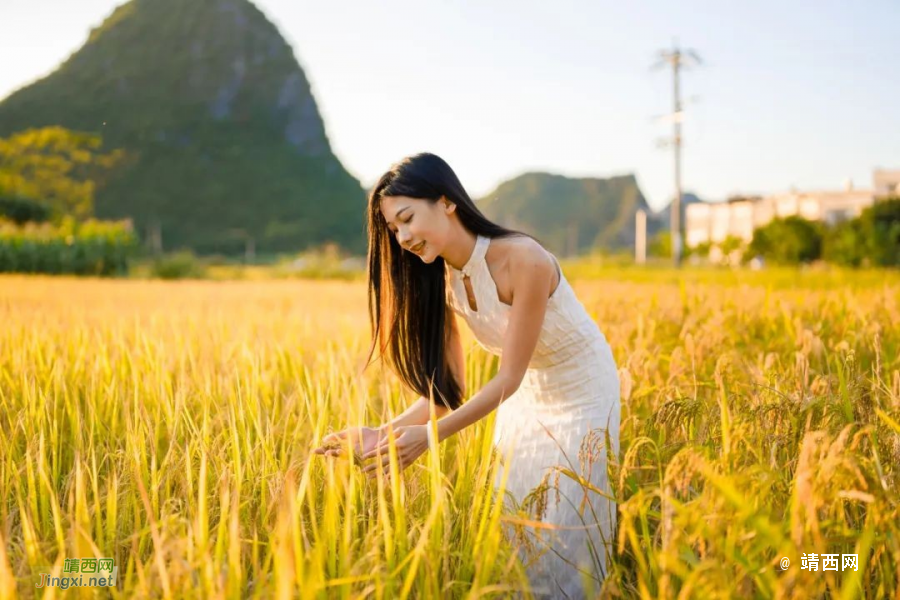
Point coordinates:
pixel 362 439
pixel 410 441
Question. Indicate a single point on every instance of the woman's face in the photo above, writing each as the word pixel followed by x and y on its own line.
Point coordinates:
pixel 419 226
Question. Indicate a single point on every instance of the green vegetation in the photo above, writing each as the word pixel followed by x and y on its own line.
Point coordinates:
pixel 23 210
pixel 788 241
pixel 47 182
pixel 660 245
pixel 81 248
pixel 872 239
pixel 49 173
pixel 183 264
pixel 219 133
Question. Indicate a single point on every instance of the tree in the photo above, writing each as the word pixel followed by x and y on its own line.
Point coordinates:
pixel 789 240
pixel 702 250
pixel 661 245
pixel 844 244
pixel 54 167
pixel 881 230
pixel 22 210
pixel 730 245
pixel 873 238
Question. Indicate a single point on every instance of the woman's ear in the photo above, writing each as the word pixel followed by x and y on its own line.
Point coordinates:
pixel 449 207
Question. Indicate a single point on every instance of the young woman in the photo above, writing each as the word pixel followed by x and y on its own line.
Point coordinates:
pixel 433 255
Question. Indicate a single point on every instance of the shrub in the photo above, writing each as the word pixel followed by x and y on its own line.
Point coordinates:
pixel 871 239
pixel 178 265
pixel 789 240
pixel 844 244
pixel 880 225
pixel 21 210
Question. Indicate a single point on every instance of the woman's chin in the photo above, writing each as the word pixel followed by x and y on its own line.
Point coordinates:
pixel 428 256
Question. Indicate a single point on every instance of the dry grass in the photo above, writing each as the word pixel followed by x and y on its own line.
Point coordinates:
pixel 169 425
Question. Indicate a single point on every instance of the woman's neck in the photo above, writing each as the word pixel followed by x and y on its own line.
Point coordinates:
pixel 458 256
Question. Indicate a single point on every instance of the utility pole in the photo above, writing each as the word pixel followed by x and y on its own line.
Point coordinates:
pixel 640 236
pixel 678 59
pixel 154 236
pixel 249 244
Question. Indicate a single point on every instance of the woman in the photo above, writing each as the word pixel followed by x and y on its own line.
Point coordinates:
pixel 432 254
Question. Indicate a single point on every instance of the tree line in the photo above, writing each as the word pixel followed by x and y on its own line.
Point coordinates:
pixel 870 240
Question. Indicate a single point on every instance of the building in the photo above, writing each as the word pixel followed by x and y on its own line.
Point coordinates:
pixel 738 217
pixel 887 182
pixel 713 222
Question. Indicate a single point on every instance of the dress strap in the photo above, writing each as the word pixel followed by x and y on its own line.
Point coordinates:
pixel 481 246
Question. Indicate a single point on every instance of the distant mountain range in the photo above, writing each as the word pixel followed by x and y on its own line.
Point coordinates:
pixel 224 141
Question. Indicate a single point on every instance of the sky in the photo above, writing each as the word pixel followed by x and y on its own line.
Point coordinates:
pixel 790 94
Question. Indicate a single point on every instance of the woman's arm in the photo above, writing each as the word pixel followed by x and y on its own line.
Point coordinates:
pixel 416 414
pixel 531 273
pixel 480 405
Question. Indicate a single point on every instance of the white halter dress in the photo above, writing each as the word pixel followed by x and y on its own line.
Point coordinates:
pixel 571 388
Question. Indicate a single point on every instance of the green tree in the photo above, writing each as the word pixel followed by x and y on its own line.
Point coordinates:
pixel 54 167
pixel 789 240
pixel 873 238
pixel 844 244
pixel 22 210
pixel 702 249
pixel 661 245
pixel 880 225
pixel 730 244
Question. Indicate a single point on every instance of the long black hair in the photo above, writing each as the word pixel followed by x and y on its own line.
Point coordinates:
pixel 408 309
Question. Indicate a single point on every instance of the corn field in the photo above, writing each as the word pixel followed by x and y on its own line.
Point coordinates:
pixel 169 426
pixel 100 248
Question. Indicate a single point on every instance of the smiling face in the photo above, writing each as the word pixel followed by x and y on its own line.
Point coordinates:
pixel 419 226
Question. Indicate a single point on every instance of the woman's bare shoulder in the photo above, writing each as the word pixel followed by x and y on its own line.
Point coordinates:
pixel 517 248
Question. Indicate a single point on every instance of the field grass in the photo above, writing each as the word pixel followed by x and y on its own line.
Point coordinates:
pixel 168 425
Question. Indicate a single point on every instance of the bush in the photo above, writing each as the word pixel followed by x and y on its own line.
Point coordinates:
pixel 700 250
pixel 661 245
pixel 880 224
pixel 844 244
pixel 872 239
pixel 327 261
pixel 178 265
pixel 22 210
pixel 790 240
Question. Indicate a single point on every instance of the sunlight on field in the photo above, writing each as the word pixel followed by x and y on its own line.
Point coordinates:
pixel 168 425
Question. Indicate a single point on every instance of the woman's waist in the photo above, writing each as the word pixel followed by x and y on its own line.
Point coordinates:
pixel 562 352
pixel 525 415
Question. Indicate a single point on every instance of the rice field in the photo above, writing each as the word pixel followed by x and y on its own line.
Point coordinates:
pixel 169 426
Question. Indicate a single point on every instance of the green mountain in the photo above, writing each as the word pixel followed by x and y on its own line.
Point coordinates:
pixel 570 216
pixel 222 134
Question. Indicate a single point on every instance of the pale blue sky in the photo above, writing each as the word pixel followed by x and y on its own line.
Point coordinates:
pixel 799 94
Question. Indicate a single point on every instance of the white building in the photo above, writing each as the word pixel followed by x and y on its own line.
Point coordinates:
pixel 887 182
pixel 713 222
